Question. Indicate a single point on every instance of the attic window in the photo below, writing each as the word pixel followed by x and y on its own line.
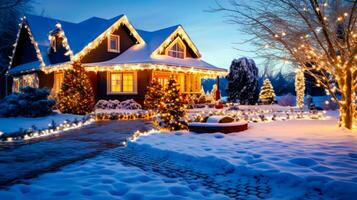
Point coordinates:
pixel 114 43
pixel 177 49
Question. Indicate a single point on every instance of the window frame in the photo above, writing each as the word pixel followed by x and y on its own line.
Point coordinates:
pixel 109 43
pixel 109 83
pixel 178 41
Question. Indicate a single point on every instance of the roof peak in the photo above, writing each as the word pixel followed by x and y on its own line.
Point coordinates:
pixel 71 22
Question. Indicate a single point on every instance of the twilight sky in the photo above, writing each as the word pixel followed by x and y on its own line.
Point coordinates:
pixel 213 36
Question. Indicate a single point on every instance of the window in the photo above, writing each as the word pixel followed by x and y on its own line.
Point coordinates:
pixel 114 43
pixel 122 82
pixel 177 49
pixel 115 82
pixel 57 84
pixel 23 81
pixel 128 82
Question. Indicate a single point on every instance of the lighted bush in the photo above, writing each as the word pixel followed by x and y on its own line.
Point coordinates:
pixel 30 102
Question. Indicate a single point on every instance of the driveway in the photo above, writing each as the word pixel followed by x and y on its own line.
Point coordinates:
pixel 28 160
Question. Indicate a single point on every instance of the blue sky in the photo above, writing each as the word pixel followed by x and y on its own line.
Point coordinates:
pixel 213 36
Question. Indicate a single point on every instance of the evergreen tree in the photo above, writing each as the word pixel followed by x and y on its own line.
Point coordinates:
pixel 243 81
pixel 267 94
pixel 172 108
pixel 153 95
pixel 300 88
pixel 76 95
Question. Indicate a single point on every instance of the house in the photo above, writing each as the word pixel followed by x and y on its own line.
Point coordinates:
pixel 119 59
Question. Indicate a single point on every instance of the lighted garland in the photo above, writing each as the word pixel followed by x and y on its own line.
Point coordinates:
pixel 142 114
pixel 258 115
pixel 53 128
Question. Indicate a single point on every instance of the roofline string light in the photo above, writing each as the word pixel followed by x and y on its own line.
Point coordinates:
pixel 95 43
pixel 24 24
pixel 182 34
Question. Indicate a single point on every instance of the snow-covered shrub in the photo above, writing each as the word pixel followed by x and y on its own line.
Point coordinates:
pixel 101 104
pixel 30 102
pixel 130 104
pixel 287 100
pixel 114 104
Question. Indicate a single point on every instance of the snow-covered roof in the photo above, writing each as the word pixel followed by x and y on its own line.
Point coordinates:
pixel 27 67
pixel 79 35
pixel 142 54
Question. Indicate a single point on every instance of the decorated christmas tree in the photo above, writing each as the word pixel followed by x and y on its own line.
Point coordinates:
pixel 172 108
pixel 300 88
pixel 267 94
pixel 153 95
pixel 76 95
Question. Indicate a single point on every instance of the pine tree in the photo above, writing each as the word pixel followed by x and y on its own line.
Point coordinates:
pixel 76 95
pixel 172 108
pixel 267 94
pixel 243 81
pixel 300 88
pixel 153 95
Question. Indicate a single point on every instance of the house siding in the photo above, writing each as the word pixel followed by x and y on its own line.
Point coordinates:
pixel 101 53
pixel 143 80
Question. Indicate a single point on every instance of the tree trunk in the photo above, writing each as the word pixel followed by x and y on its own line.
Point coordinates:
pixel 347 109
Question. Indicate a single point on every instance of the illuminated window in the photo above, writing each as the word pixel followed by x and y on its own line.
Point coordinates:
pixel 122 82
pixel 177 49
pixel 128 82
pixel 114 43
pixel 58 79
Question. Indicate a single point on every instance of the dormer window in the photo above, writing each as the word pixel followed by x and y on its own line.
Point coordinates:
pixel 177 49
pixel 114 43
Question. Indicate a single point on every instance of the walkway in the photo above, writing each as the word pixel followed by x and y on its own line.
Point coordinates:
pixel 24 161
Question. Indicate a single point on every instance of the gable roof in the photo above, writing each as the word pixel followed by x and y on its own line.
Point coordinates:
pixel 78 34
pixel 86 35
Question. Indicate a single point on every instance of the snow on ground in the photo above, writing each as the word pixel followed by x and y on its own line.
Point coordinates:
pixel 104 178
pixel 12 124
pixel 302 154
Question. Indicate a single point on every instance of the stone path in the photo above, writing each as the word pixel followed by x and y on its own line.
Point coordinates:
pixel 33 158
pixel 256 187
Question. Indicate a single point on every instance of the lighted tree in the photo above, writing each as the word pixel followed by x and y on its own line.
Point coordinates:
pixel 172 108
pixel 76 95
pixel 318 35
pixel 267 94
pixel 153 95
pixel 300 88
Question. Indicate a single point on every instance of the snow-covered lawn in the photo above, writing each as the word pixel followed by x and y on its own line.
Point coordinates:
pixel 296 159
pixel 301 154
pixel 12 124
